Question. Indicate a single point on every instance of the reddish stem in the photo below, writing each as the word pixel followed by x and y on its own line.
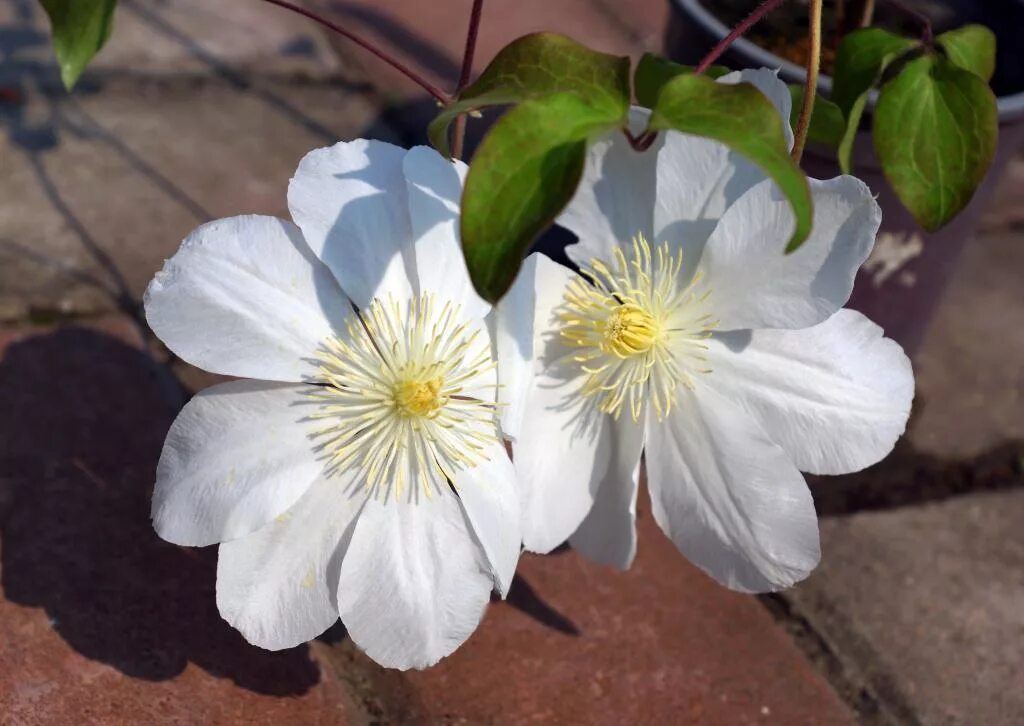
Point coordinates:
pixel 467 71
pixel 926 23
pixel 471 35
pixel 366 45
pixel 759 12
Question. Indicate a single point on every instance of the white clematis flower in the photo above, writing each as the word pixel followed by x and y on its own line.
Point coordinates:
pixel 691 338
pixel 360 471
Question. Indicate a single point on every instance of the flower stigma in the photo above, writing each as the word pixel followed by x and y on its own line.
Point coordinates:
pixel 409 396
pixel 639 329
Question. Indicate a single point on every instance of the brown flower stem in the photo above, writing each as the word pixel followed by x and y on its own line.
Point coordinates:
pixel 926 23
pixel 811 84
pixel 867 14
pixel 759 12
pixel 467 71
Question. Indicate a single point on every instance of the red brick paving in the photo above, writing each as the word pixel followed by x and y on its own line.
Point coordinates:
pixel 579 643
pixel 101 621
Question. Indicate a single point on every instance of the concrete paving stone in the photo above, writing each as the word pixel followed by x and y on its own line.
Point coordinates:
pixel 581 643
pixel 178 37
pixel 100 187
pixel 920 591
pixel 926 604
pixel 100 620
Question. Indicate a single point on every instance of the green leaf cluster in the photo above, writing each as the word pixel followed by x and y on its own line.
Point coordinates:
pixel 80 28
pixel 935 123
pixel 565 96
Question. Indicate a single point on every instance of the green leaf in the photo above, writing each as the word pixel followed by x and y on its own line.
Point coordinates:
pixel 653 72
pixel 742 118
pixel 80 28
pixel 935 133
pixel 538 65
pixel 827 122
pixel 863 56
pixel 523 174
pixel 973 48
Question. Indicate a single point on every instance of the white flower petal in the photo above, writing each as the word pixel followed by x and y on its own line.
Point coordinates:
pixel 698 179
pixel 729 497
pixel 488 495
pixel 755 285
pixel 414 582
pixel 608 533
pixel 350 202
pixel 245 297
pixel 561 456
pixel 614 199
pixel 528 305
pixel 434 187
pixel 277 586
pixel 835 397
pixel 767 82
pixel 237 456
pixel 561 447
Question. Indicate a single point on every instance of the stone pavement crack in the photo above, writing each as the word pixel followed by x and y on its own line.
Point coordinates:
pixel 874 705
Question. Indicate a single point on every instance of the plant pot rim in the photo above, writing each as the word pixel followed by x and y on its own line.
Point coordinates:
pixel 1011 107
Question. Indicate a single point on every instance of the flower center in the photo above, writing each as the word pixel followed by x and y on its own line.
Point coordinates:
pixel 419 397
pixel 639 329
pixel 630 330
pixel 409 396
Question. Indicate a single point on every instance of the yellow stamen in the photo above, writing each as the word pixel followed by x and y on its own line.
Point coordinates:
pixel 409 396
pixel 419 397
pixel 630 330
pixel 639 327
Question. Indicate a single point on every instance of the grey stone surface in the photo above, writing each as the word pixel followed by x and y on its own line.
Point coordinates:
pixel 927 605
pixel 920 592
pixel 99 187
pixel 175 37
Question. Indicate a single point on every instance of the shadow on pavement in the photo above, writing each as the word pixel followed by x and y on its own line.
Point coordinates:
pixel 81 427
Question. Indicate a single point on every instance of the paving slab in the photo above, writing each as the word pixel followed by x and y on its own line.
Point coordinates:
pixel 100 620
pixel 99 187
pixel 581 643
pixel 176 37
pixel 920 592
pixel 926 605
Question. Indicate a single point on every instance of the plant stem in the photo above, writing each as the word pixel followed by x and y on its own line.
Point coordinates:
pixel 811 85
pixel 366 45
pixel 467 71
pixel 759 12
pixel 867 13
pixel 926 23
pixel 642 142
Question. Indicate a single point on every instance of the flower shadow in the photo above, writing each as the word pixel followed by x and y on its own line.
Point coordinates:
pixel 81 428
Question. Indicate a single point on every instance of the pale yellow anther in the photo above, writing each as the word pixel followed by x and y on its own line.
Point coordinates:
pixel 394 404
pixel 419 398
pixel 638 328
pixel 630 330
